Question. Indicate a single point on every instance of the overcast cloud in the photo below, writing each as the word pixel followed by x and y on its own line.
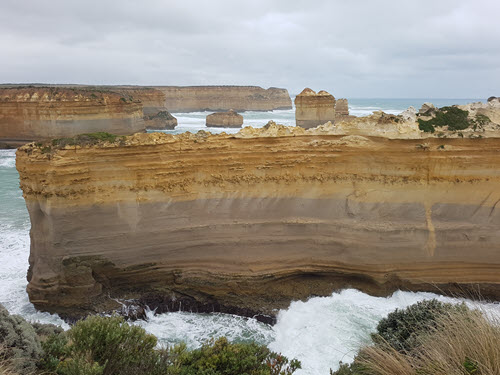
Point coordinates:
pixel 379 48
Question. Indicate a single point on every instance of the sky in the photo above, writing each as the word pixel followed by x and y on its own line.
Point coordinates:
pixel 353 49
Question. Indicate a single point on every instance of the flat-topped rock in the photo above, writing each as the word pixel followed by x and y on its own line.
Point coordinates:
pixel 313 109
pixel 229 119
pixel 37 113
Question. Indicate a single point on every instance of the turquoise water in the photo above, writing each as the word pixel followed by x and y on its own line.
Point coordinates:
pixel 320 332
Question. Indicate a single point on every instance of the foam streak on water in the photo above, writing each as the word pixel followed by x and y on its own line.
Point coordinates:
pixel 320 332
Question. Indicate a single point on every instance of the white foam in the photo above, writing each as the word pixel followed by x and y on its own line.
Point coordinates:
pixel 325 330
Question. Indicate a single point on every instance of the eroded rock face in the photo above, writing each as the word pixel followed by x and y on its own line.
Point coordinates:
pixel 153 101
pixel 248 222
pixel 229 119
pixel 224 98
pixel 313 109
pixel 160 121
pixel 37 113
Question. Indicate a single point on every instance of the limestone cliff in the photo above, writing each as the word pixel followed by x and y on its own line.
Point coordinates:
pixel 153 101
pixel 224 98
pixel 37 113
pixel 246 223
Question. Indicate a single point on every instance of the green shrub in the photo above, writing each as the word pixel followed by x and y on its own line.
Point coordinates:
pixel 401 327
pixel 482 120
pixel 111 342
pixel 83 140
pixel 19 341
pixel 453 117
pixel 425 126
pixel 219 357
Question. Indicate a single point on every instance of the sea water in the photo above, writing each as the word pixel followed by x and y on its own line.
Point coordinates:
pixel 319 332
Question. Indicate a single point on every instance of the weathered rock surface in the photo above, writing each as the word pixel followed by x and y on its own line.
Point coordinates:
pixel 229 119
pixel 160 121
pixel 37 113
pixel 247 223
pixel 313 109
pixel 153 101
pixel 224 98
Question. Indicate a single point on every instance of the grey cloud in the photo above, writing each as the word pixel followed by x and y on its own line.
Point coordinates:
pixel 383 48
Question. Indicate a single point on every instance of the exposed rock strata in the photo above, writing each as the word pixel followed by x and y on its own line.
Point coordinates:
pixel 224 98
pixel 153 101
pixel 250 222
pixel 313 109
pixel 29 113
pixel 229 119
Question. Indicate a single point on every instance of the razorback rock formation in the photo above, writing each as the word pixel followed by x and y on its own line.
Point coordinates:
pixel 229 119
pixel 37 113
pixel 160 121
pixel 224 98
pixel 249 222
pixel 313 109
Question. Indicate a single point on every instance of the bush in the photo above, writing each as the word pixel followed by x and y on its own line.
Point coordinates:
pixel 20 344
pixel 109 345
pixel 106 345
pixel 453 117
pixel 401 328
pixel 83 140
pixel 219 357
pixel 425 126
pixel 462 342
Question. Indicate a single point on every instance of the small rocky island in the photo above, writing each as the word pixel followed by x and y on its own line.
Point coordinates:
pixel 162 120
pixel 229 119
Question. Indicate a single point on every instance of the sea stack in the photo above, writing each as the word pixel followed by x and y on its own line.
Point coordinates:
pixel 229 119
pixel 313 109
pixel 160 121
pixel 37 113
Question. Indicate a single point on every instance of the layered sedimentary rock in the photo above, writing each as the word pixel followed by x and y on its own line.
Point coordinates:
pixel 37 113
pixel 229 119
pixel 313 109
pixel 246 223
pixel 224 98
pixel 153 101
pixel 160 121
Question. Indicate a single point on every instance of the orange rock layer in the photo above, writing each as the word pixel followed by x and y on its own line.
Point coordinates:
pixel 37 113
pixel 247 224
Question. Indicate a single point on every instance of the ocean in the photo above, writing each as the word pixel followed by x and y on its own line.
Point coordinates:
pixel 319 332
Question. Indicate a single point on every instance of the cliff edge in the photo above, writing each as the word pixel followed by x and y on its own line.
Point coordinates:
pixel 246 223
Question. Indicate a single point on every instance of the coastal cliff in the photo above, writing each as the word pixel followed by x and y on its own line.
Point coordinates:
pixel 246 223
pixel 224 98
pixel 38 113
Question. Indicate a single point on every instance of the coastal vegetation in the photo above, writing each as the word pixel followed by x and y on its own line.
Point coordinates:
pixel 430 338
pixel 110 346
pixel 88 139
pixel 426 338
pixel 453 117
